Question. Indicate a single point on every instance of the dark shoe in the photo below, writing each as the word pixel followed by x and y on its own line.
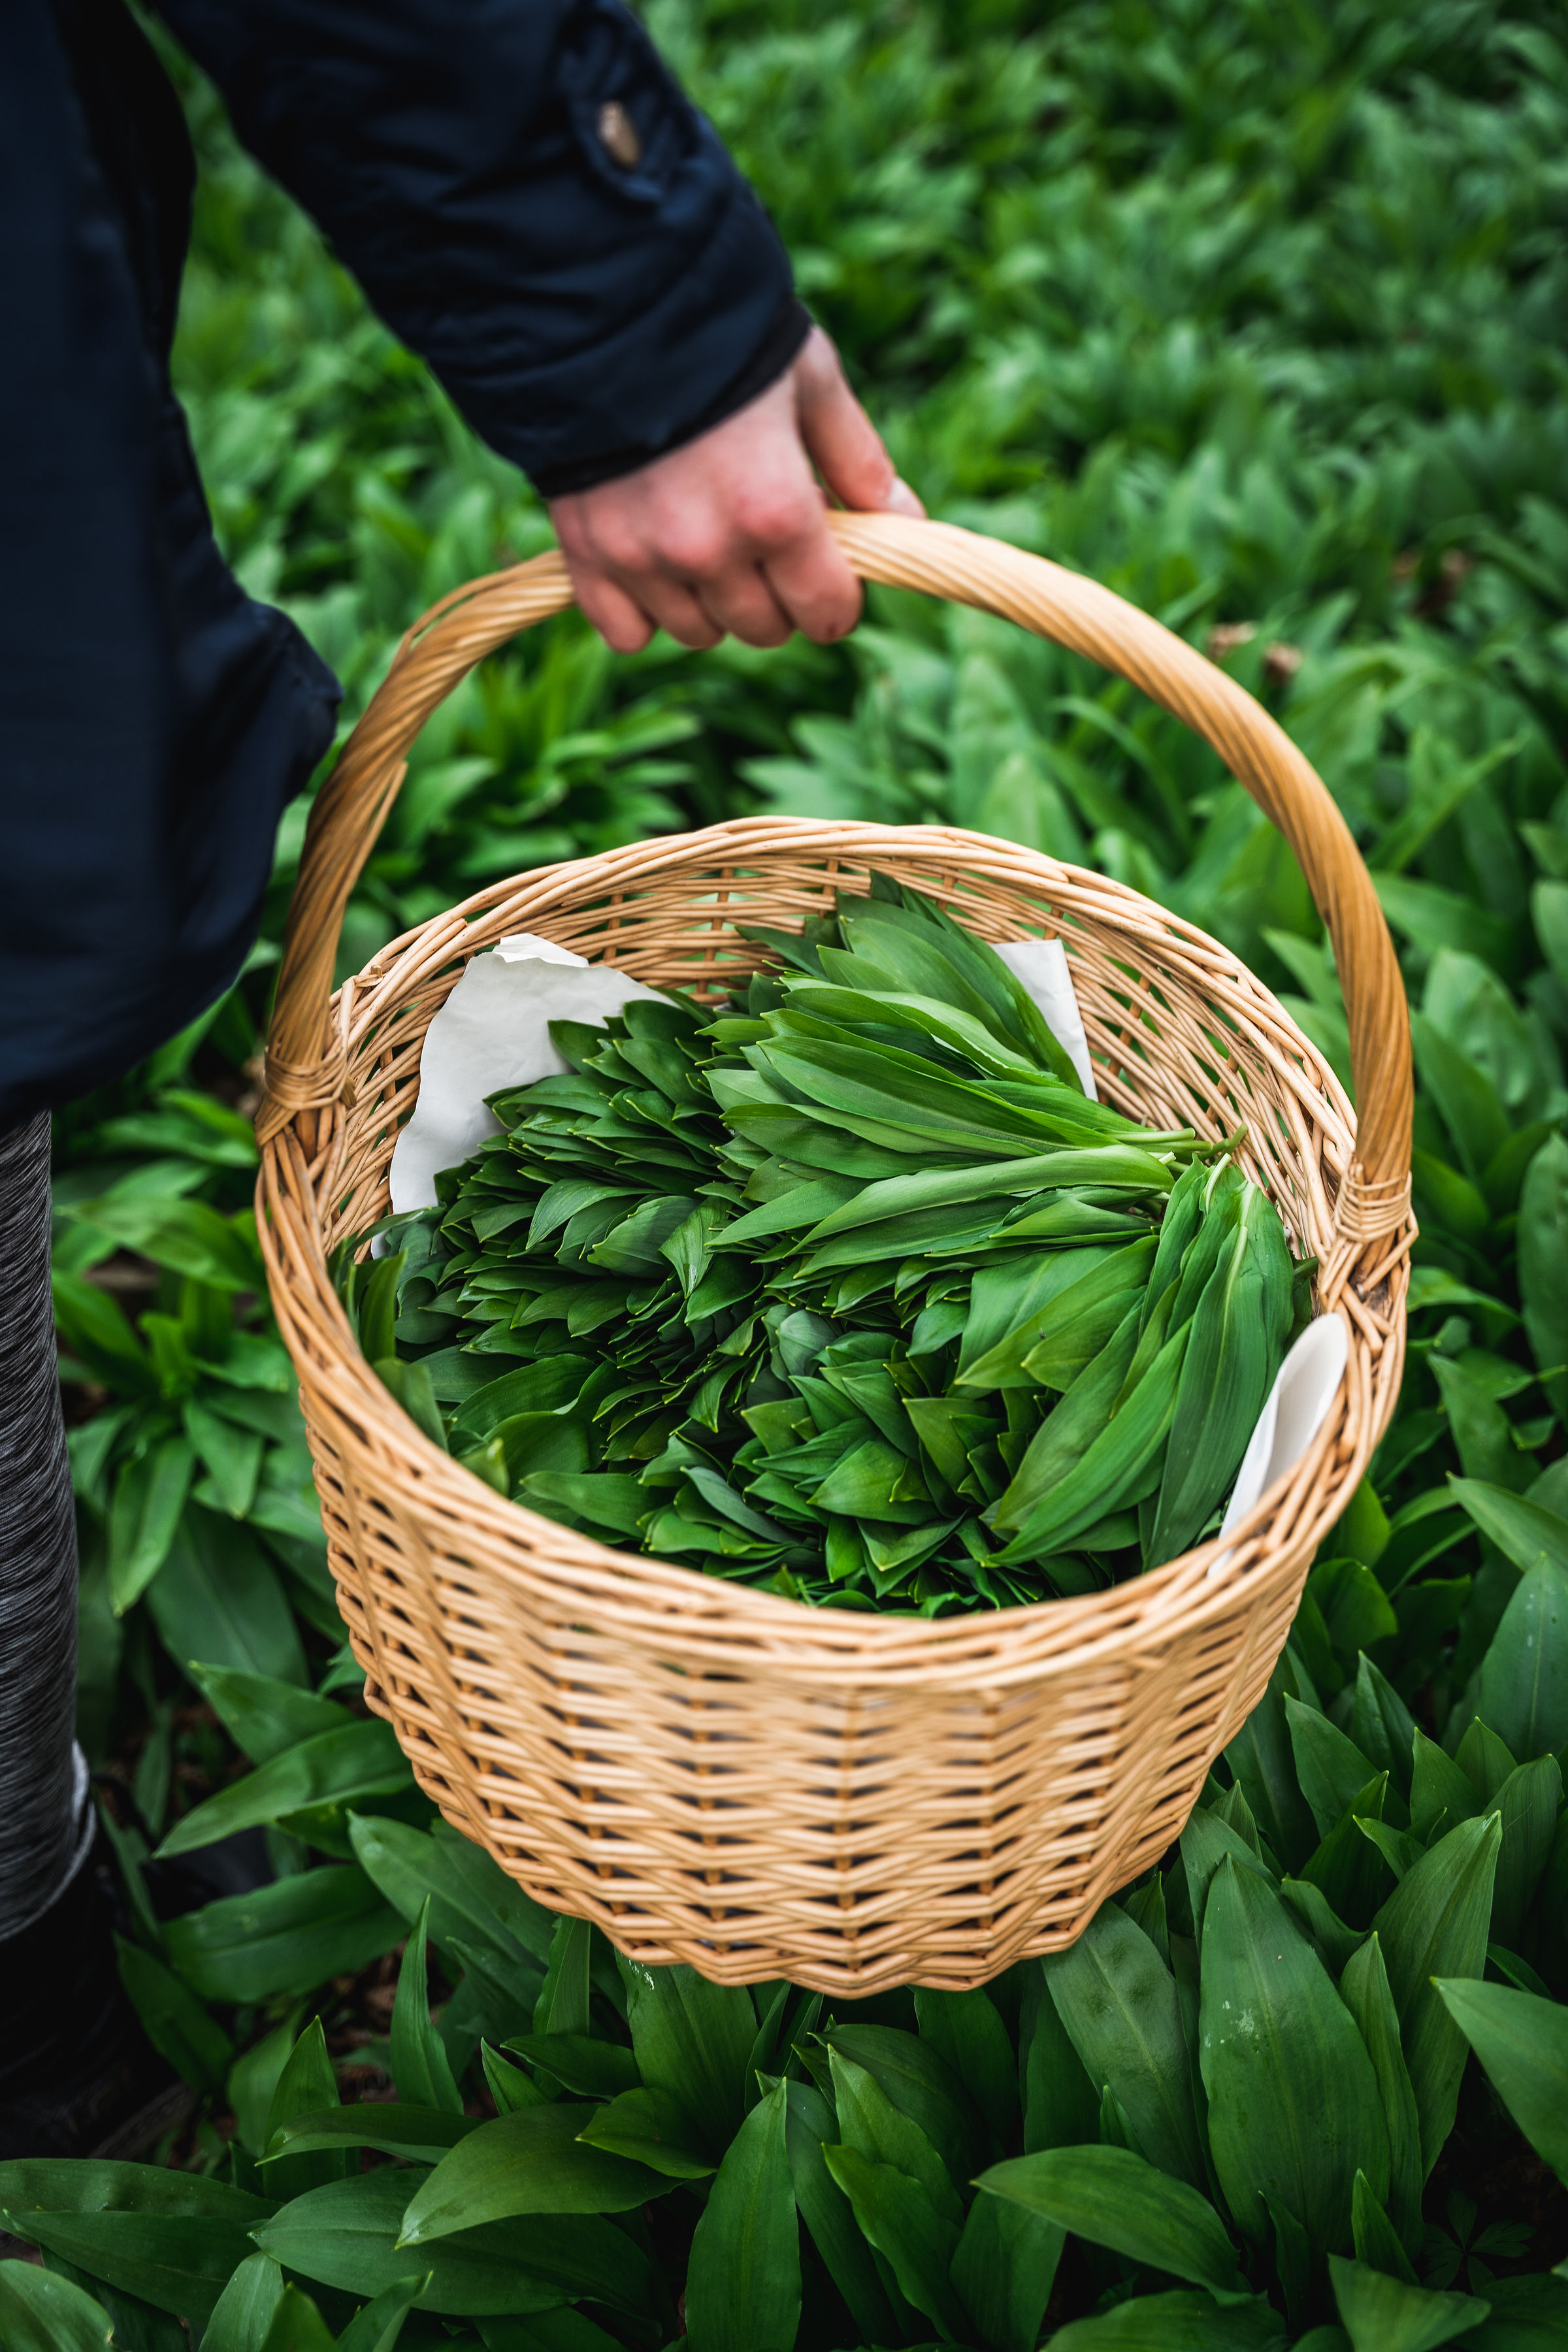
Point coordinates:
pixel 78 2076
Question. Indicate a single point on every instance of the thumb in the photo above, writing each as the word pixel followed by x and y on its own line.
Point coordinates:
pixel 839 437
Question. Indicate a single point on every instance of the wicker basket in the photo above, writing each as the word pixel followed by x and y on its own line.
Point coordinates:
pixel 712 1773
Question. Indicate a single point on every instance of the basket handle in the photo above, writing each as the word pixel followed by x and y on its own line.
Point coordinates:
pixel 305 1059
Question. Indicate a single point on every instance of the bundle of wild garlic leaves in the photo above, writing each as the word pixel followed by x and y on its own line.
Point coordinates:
pixel 849 1290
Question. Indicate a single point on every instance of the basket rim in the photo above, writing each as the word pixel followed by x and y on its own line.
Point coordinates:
pixel 819 1645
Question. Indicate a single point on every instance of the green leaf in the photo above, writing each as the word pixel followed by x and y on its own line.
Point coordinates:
pixel 149 1497
pixel 95 1328
pixel 562 2003
pixel 651 2128
pixel 1531 1535
pixel 420 2067
pixel 173 2020
pixel 1003 2270
pixel 1543 1266
pixel 742 2282
pixel 593 2069
pixel 261 1714
pixel 1332 1768
pixel 345 2234
pixel 965 2028
pixel 472 1899
pixel 187 1235
pixel 1376 2238
pixel 1235 1347
pixel 1437 1787
pixel 377 2326
pixel 340 1767
pixel 1356 1612
pixel 174 2261
pixel 422 2135
pixel 1061 2105
pixel 286 1938
pixel 298 2326
pixel 510 2088
pixel 922 2085
pixel 42 2313
pixel 896 2217
pixel 1114 2199
pixel 1117 2001
pixel 692 2039
pixel 1384 2314
pixel 253 2078
pixel 1522 2042
pixel 230 1456
pixel 59 2184
pixel 1435 1924
pixel 244 2310
pixel 1262 1758
pixel 1481 1428
pixel 1524 1675
pixel 1184 2322
pixel 1365 1991
pixel 306 2085
pixel 829 2216
pixel 1529 1801
pixel 531 2161
pixel 218 1597
pixel 1293 2104
pixel 871 2124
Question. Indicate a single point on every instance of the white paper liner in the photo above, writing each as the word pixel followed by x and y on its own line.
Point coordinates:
pixel 1304 1388
pixel 494 1031
pixel 1042 966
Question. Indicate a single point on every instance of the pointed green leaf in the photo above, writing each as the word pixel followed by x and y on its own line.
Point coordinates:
pixel 966 2028
pixel 1365 1991
pixel 651 2128
pixel 531 2161
pixel 1003 2270
pixel 298 2326
pixel 173 2020
pixel 1524 1675
pixel 922 2085
pixel 1435 1924
pixel 1059 2102
pixel 1185 2322
pixel 593 2069
pixel 306 2086
pixel 378 2325
pixel 345 2235
pixel 692 2040
pixel 261 1714
pixel 420 2067
pixel 742 2282
pixel 1529 1800
pixel 1384 2314
pixel 1522 2042
pixel 1114 2199
pixel 41 2313
pixel 419 2135
pixel 1294 2110
pixel 244 2310
pixel 1376 2238
pixel 1332 1768
pixel 361 1760
pixel 1543 1265
pixel 898 2218
pixel 1117 2001
pixel 871 2124
pixel 828 2215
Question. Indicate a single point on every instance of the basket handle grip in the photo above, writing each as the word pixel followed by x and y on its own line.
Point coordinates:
pixel 305 1059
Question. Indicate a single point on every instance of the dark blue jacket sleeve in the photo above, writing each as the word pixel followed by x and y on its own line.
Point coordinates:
pixel 586 313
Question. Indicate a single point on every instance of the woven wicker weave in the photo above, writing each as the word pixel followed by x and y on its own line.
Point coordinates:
pixel 712 1773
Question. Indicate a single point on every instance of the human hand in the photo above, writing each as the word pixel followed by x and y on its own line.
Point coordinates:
pixel 727 534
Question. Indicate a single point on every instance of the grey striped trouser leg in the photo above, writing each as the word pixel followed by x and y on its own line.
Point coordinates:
pixel 43 1783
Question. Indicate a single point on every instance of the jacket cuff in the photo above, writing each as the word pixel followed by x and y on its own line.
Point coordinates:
pixel 780 346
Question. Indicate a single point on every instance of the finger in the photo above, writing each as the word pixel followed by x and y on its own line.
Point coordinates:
pixel 678 612
pixel 620 621
pixel 813 582
pixel 840 438
pixel 740 601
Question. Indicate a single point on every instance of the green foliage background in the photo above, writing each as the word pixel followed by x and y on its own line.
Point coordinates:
pixel 1256 313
